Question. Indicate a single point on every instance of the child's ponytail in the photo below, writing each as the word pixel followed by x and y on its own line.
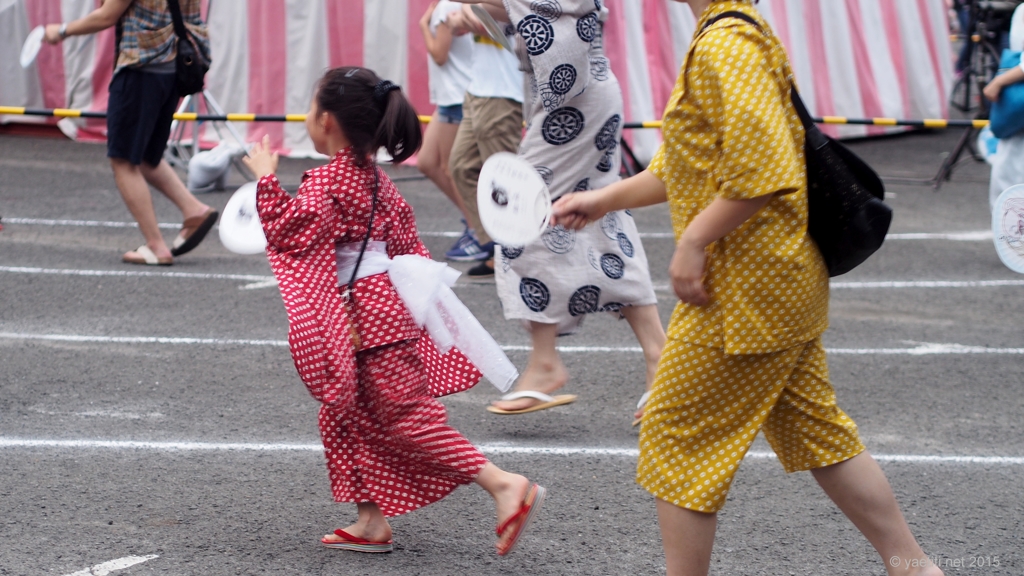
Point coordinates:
pixel 373 113
pixel 399 130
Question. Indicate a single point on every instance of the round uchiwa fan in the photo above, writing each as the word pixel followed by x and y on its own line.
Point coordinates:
pixel 1008 227
pixel 32 45
pixel 240 228
pixel 513 200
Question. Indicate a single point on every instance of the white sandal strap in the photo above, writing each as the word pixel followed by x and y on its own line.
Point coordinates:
pixel 527 394
pixel 147 254
pixel 643 400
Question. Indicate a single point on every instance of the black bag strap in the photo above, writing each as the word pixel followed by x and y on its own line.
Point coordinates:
pixel 369 232
pixel 179 23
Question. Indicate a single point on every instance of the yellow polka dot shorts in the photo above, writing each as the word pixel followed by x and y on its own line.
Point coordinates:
pixel 706 408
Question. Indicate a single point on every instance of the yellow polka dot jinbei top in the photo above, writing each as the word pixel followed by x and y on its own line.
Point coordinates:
pixel 731 131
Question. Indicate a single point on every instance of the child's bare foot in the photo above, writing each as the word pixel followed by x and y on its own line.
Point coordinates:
pixel 545 377
pixel 508 499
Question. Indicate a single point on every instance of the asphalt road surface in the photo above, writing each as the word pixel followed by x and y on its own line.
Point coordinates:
pixel 151 421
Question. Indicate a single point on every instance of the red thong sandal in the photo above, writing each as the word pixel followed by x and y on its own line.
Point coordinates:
pixel 357 544
pixel 527 512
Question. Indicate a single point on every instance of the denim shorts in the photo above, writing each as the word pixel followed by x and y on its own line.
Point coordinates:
pixel 450 114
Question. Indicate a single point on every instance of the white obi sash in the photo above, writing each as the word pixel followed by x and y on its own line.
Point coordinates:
pixel 425 288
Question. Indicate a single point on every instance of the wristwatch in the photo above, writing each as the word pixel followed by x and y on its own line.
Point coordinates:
pixel 63 30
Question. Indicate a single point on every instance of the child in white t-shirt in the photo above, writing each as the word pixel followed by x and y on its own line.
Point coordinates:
pixel 449 63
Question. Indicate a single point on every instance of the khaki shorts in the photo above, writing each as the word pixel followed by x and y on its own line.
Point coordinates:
pixel 489 125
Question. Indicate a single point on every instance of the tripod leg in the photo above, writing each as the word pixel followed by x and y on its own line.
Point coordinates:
pixel 946 169
pixel 176 154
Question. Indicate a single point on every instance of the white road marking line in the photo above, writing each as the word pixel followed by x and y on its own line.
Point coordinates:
pixel 114 565
pixel 136 273
pixel 971 236
pixel 263 281
pixel 927 284
pixel 272 283
pixel 141 339
pixel 87 223
pixel 922 348
pixel 494 448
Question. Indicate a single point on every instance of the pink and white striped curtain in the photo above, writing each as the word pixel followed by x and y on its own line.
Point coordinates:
pixel 854 58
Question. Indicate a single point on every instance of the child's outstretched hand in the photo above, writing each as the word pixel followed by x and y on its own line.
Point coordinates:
pixel 261 160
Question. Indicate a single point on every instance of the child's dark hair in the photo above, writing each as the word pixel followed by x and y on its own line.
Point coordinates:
pixel 372 112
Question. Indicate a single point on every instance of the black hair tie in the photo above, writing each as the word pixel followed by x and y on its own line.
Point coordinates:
pixel 381 90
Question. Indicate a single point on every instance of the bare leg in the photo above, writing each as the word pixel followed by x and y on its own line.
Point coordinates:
pixel 135 192
pixel 166 180
pixel 544 372
pixel 371 525
pixel 646 325
pixel 859 488
pixel 687 538
pixel 432 159
pixel 507 489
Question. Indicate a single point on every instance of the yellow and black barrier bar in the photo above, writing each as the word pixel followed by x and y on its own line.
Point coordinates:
pixel 192 116
pixel 926 123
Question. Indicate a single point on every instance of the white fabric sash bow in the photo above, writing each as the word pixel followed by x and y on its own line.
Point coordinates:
pixel 425 287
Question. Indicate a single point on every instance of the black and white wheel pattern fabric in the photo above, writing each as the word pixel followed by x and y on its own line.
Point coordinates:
pixel 582 185
pixel 538 34
pixel 613 307
pixel 511 252
pixel 549 10
pixel 612 266
pixel 562 126
pixel 585 301
pixel 546 174
pixel 625 245
pixel 559 84
pixel 608 136
pixel 600 69
pixel 535 294
pixel 562 79
pixel 587 27
pixel 559 239
pixel 611 226
pixel 607 159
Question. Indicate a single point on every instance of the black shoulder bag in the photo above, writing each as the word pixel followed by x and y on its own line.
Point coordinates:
pixel 190 65
pixel 846 216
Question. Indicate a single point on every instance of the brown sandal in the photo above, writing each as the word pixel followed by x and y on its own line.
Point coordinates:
pixel 193 230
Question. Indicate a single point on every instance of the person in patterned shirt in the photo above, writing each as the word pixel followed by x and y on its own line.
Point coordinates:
pixel 140 110
pixel 744 350
pixel 358 348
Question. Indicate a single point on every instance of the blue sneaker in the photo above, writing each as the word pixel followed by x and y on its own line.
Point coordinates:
pixel 467 248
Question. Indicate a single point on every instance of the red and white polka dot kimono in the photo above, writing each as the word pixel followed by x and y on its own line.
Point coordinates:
pixel 384 433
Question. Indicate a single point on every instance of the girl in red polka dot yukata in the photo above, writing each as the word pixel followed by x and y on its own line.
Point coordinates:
pixel 344 251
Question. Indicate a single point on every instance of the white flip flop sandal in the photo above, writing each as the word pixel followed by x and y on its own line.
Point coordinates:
pixel 546 402
pixel 143 255
pixel 639 405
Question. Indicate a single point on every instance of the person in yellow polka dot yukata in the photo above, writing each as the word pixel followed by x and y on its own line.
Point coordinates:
pixel 744 350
